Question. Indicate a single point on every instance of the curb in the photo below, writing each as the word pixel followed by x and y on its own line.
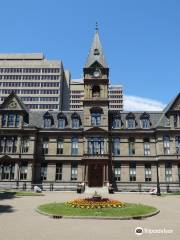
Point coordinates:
pixel 140 217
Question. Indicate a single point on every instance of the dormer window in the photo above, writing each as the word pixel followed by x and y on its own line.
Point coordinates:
pixel 145 122
pixel 130 121
pixel 48 120
pixel 116 123
pixel 10 120
pixel 75 120
pixel 62 120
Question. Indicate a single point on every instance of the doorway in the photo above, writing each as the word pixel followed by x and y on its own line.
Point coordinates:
pixel 95 175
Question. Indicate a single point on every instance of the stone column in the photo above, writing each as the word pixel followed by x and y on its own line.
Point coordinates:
pixel 66 174
pixel 154 172
pixel 29 172
pixel 161 172
pixel 125 172
pixel 175 176
pixel 51 172
pixel 140 172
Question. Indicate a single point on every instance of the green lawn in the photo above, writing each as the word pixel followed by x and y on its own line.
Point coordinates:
pixel 28 194
pixel 21 193
pixel 130 210
pixel 171 193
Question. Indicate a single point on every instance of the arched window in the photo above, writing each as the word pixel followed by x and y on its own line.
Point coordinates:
pixel 95 91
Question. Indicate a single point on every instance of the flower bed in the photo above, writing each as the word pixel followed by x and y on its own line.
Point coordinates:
pixel 95 203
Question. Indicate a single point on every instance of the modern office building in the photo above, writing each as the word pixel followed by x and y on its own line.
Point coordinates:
pixel 115 95
pixel 37 81
pixel 59 149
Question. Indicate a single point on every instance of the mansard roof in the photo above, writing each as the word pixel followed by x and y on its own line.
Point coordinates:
pixel 36 118
pixel 96 53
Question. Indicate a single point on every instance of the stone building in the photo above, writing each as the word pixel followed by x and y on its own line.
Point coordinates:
pixel 60 149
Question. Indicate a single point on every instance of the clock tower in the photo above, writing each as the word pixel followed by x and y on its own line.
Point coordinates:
pixel 95 107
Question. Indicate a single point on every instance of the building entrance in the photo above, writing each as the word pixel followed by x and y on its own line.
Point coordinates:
pixel 95 175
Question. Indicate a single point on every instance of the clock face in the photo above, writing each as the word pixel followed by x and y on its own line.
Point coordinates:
pixel 96 73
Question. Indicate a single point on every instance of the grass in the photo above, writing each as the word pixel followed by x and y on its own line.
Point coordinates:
pixel 170 193
pixel 22 193
pixel 130 210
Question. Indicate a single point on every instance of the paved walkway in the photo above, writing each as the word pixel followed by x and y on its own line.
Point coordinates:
pixel 19 221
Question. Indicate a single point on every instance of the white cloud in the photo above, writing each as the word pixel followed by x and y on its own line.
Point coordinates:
pixel 134 103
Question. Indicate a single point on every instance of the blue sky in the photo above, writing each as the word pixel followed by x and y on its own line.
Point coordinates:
pixel 141 39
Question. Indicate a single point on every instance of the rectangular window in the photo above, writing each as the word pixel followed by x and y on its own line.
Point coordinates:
pixel 23 172
pixel 58 172
pixel 60 144
pixel 146 147
pixel 96 119
pixel 75 123
pixel 43 172
pixel 25 144
pixel 168 172
pixel 74 172
pixel 74 149
pixel 95 146
pixel 61 122
pixel 148 173
pixel 179 172
pixel 45 146
pixel 131 146
pixel 177 139
pixel 117 172
pixel 166 143
pixel 132 172
pixel 116 146
pixel 145 123
pixel 4 120
pixel 131 123
pixel 11 118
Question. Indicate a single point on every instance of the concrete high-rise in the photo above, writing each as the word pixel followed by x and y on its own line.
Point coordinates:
pixel 37 81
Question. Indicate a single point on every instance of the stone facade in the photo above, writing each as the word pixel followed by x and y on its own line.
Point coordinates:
pixel 59 149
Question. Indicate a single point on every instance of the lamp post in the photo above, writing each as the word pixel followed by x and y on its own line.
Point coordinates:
pixel 158 185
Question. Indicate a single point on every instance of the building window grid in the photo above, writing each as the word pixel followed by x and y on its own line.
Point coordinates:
pixel 116 146
pixel 74 148
pixel 96 146
pixel 117 172
pixel 146 147
pixel 74 172
pixel 131 146
pixel 8 144
pixel 95 119
pixel 148 173
pixel 45 146
pixel 166 143
pixel 7 172
pixel 168 172
pixel 43 174
pixel 58 172
pixel 60 146
pixel 177 140
pixel 23 171
pixel 132 172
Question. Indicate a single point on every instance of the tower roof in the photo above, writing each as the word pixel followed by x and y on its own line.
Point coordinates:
pixel 96 53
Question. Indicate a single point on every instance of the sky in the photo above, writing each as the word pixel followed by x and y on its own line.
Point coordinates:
pixel 141 41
